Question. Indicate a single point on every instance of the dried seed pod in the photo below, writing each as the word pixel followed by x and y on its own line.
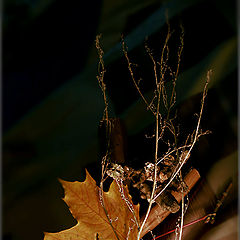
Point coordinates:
pixel 116 171
pixel 149 169
pixel 162 176
pixel 128 172
pixel 168 160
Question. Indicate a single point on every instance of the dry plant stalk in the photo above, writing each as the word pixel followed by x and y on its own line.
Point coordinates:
pixel 167 123
pixel 105 160
pixel 162 124
pixel 160 95
pixel 100 78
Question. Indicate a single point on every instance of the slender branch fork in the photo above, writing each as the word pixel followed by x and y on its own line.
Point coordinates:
pixel 178 168
pixel 160 89
pixel 100 78
pixel 160 125
pixel 105 161
pixel 196 136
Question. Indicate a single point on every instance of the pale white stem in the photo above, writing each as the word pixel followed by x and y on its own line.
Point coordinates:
pixel 182 217
pixel 193 143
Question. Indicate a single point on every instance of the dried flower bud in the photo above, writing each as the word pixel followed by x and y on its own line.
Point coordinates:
pixel 162 177
pixel 116 171
pixel 168 161
pixel 149 171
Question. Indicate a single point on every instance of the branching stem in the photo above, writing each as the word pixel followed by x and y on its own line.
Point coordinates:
pixel 196 135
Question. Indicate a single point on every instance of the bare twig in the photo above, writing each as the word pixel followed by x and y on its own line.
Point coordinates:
pixel 124 48
pixel 182 213
pixel 109 127
pixel 158 214
pixel 162 125
pixel 161 93
pixel 195 138
pixel 100 76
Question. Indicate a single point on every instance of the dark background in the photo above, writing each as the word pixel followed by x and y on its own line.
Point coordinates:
pixel 52 103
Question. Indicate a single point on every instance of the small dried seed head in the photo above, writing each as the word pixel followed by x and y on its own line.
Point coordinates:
pixel 116 171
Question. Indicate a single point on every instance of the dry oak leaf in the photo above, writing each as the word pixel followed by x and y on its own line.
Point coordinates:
pixel 117 221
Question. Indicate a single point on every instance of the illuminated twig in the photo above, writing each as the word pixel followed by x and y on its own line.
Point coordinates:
pixel 194 140
pixel 124 48
pixel 100 77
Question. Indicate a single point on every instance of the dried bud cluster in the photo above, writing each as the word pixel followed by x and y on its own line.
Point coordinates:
pixel 116 171
pixel 142 179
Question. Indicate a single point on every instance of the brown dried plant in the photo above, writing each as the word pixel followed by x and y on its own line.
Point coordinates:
pixel 165 94
pixel 167 123
pixel 112 214
pixel 105 160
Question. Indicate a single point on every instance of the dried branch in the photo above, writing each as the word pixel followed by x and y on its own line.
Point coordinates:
pixel 104 164
pixel 124 48
pixel 163 172
pixel 100 76
pixel 158 214
pixel 196 136
pixel 110 127
pixel 160 94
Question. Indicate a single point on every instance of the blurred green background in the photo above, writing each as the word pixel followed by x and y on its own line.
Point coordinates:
pixel 52 103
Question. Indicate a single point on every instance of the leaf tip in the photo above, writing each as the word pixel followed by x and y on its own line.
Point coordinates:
pixel 62 182
pixel 89 177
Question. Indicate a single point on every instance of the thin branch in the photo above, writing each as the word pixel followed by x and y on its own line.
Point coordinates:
pixel 100 77
pixel 195 137
pixel 124 48
pixel 105 210
pixel 182 212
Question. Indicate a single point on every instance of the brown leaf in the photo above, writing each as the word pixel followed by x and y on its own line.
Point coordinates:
pixel 83 199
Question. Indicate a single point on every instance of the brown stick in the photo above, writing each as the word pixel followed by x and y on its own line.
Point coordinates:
pixel 113 139
pixel 158 214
